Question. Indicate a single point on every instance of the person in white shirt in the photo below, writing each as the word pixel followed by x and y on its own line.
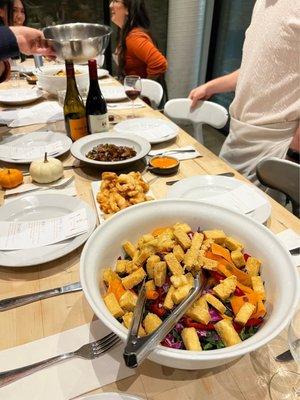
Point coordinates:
pixel 265 112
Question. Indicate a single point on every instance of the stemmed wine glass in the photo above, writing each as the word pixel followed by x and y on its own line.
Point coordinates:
pixel 285 384
pixel 133 88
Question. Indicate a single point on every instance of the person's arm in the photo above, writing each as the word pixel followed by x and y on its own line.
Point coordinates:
pixel 293 153
pixel 4 70
pixel 31 41
pixel 21 38
pixel 226 83
pixel 8 43
pixel 143 48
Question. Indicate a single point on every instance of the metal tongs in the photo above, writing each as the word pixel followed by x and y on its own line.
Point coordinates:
pixel 138 348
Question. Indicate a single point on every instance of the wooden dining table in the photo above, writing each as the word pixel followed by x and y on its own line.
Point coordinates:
pixel 244 379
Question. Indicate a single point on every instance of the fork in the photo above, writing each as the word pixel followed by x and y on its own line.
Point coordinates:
pixel 61 185
pixel 88 351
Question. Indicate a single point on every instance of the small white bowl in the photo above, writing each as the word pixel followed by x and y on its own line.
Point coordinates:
pixel 281 280
pixel 48 81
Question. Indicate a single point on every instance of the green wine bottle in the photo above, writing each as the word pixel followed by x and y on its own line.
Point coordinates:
pixel 74 110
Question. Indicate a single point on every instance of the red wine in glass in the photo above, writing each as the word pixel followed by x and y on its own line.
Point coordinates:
pixel 133 88
pixel 132 94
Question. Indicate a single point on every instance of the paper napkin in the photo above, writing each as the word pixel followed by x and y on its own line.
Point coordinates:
pixel 125 105
pixel 243 199
pixel 45 112
pixel 70 378
pixel 190 153
pixel 291 240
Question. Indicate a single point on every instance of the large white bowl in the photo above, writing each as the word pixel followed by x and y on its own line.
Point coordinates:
pixel 280 276
pixel 51 83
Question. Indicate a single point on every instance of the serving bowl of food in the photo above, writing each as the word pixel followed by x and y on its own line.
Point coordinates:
pixel 78 42
pixel 108 150
pixel 53 78
pixel 167 229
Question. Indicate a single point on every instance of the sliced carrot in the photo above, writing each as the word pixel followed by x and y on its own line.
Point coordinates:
pixel 159 231
pixel 212 256
pixel 116 287
pixel 244 288
pixel 260 310
pixel 228 269
pixel 238 301
pixel 151 294
pixel 221 251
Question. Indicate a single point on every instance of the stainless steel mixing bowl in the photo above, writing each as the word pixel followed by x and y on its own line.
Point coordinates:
pixel 78 42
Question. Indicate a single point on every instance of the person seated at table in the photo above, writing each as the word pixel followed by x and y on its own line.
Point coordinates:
pixel 4 18
pixel 265 112
pixel 136 53
pixel 17 17
pixel 18 11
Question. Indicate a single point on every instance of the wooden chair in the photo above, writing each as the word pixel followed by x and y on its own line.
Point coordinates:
pixel 281 175
pixel 205 112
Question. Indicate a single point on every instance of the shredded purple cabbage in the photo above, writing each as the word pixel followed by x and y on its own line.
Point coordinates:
pixel 207 290
pixel 201 333
pixel 215 316
pixel 170 341
pixel 179 327
pixel 166 287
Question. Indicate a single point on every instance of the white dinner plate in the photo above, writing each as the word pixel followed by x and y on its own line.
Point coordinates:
pixel 82 146
pixel 40 140
pixel 37 207
pixel 17 97
pixel 155 130
pixel 113 93
pixel 209 187
pixel 110 396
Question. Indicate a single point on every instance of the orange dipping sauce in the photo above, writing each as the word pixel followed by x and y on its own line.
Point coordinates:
pixel 164 162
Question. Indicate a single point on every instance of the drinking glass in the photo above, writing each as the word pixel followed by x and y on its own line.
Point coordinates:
pixel 61 94
pixel 15 79
pixel 285 384
pixel 133 88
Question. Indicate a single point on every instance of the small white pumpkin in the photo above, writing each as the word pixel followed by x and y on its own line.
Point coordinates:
pixel 46 170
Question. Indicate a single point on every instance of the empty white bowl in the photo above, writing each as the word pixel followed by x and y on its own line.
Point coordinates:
pixel 48 81
pixel 281 280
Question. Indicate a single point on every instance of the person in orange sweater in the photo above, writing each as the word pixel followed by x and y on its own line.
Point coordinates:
pixel 136 53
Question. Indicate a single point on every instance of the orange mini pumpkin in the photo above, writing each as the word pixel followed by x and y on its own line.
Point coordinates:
pixel 10 178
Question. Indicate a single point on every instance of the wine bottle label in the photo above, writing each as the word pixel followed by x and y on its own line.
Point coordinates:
pixel 98 123
pixel 78 128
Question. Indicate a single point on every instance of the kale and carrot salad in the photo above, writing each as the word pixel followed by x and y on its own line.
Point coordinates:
pixel 230 309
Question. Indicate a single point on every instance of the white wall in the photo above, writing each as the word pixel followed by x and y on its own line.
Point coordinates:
pixel 189 25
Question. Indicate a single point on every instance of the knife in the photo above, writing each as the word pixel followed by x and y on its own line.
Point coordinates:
pixel 295 252
pixel 222 174
pixel 285 356
pixel 12 302
pixel 172 151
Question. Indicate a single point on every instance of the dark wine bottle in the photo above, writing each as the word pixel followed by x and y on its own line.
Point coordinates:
pixel 96 109
pixel 74 110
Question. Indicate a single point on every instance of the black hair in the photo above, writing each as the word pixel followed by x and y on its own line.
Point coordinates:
pixel 137 17
pixel 10 12
pixel 4 6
